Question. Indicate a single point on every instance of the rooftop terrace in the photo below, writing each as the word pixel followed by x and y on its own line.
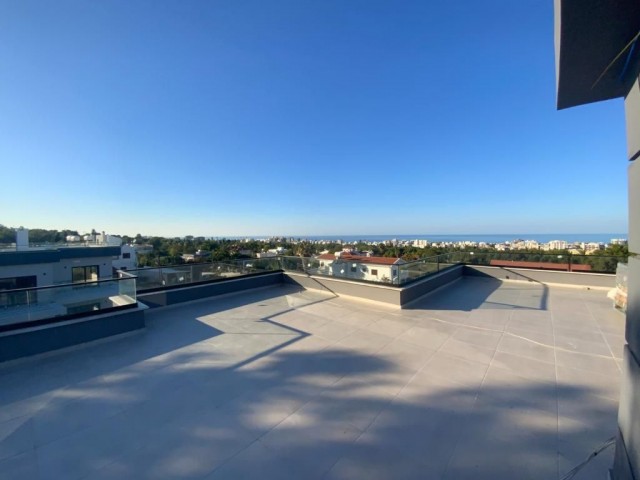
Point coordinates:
pixel 483 379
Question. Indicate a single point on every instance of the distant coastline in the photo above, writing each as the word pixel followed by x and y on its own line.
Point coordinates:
pixel 487 238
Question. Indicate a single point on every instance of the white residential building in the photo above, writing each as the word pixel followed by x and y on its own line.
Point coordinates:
pixel 592 247
pixel 375 269
pixel 557 245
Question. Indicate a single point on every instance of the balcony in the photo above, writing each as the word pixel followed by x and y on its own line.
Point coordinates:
pixel 40 305
pixel 483 379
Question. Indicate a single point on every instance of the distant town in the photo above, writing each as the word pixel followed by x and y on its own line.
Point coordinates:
pixel 153 250
pixel 37 258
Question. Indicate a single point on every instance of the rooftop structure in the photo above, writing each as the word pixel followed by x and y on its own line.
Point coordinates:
pixel 362 267
pixel 362 259
pixel 598 58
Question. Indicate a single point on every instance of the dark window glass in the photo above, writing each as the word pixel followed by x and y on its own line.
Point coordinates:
pixel 85 274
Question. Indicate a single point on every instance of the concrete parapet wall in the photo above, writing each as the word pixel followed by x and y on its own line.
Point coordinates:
pixel 549 277
pixel 396 296
pixel 35 340
pixel 367 291
pixel 427 285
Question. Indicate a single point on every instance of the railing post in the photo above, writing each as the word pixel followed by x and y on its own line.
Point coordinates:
pixel 437 263
pixel 28 305
pixel 569 268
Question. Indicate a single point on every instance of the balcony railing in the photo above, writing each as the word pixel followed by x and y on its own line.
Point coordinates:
pixel 33 306
pixel 350 269
pixel 545 261
pixel 182 275
pixel 405 273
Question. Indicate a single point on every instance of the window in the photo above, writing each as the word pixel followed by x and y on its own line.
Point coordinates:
pixel 85 274
pixel 374 272
pixel 354 268
pixel 18 282
pixel 126 255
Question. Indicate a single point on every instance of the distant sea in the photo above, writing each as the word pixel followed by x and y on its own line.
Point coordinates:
pixel 488 238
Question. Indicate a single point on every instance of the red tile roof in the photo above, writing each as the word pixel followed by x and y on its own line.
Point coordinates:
pixel 362 259
pixel 540 265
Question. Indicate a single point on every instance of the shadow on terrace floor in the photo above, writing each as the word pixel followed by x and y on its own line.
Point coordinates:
pixel 172 405
pixel 477 292
pixel 146 348
pixel 319 414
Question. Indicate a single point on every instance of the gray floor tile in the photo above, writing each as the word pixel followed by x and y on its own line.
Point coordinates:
pixel 280 383
pixel 604 365
pixel 525 367
pixel 19 467
pixel 257 462
pixel 468 351
pixel 424 336
pixel 526 348
pixel 16 437
pixel 457 369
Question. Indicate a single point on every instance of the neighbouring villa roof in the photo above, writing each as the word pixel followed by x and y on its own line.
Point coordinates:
pixel 363 259
pixel 54 254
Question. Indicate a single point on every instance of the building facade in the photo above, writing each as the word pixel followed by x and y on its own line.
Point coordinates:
pixel 598 58
pixel 373 269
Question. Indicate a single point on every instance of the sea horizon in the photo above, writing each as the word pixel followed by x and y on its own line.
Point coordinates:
pixel 487 238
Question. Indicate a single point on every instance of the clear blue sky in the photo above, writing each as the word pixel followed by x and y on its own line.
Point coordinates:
pixel 300 117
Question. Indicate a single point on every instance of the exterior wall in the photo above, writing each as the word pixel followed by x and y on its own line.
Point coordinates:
pixel 122 263
pixel 53 273
pixel 345 287
pixel 43 272
pixel 627 457
pixel 363 270
pixel 55 266
pixel 62 270
pixel 32 341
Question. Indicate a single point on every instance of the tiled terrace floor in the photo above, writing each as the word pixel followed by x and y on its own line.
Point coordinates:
pixel 481 380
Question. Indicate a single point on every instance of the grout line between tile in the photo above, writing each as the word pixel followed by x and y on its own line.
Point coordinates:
pixel 555 369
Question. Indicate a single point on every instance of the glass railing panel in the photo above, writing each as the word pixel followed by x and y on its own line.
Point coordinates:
pixel 176 275
pixel 265 264
pixel 295 264
pixel 415 270
pixel 10 298
pixel 424 267
pixel 127 289
pixel 148 278
pixel 45 303
pixel 547 261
